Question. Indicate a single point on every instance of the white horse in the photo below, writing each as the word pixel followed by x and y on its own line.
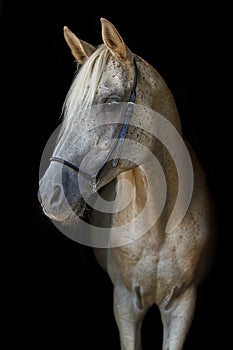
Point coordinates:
pixel 160 257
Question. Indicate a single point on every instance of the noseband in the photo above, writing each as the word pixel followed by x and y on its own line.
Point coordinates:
pixel 118 144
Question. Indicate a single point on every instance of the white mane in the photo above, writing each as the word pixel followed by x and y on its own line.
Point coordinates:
pixel 82 91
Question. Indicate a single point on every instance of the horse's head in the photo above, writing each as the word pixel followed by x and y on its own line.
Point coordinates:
pixel 97 112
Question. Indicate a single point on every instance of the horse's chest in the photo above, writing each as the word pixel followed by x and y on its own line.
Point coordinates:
pixel 135 265
pixel 158 268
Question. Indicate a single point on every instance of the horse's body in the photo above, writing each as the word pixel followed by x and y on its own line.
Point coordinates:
pixel 159 266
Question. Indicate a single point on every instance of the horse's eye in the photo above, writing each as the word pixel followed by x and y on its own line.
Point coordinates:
pixel 112 99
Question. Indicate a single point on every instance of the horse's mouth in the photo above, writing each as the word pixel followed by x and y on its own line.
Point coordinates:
pixel 74 213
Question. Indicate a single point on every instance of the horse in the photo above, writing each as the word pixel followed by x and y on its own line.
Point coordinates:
pixel 121 144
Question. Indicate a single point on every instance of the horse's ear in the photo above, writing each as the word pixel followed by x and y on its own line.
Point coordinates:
pixel 113 40
pixel 79 48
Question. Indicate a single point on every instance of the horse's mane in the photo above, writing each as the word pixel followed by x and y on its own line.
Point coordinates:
pixel 82 91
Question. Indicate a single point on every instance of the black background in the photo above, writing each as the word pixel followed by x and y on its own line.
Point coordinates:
pixel 58 294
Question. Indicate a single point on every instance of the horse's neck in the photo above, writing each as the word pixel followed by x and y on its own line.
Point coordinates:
pixel 133 185
pixel 154 186
pixel 144 180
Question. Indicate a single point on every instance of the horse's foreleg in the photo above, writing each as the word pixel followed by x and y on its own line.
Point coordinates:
pixel 129 315
pixel 176 318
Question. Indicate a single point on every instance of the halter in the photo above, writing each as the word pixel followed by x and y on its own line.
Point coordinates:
pixel 118 144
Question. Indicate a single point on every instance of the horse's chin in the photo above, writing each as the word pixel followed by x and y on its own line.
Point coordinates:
pixel 77 215
pixel 70 217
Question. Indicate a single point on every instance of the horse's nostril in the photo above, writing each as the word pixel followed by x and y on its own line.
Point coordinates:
pixel 55 195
